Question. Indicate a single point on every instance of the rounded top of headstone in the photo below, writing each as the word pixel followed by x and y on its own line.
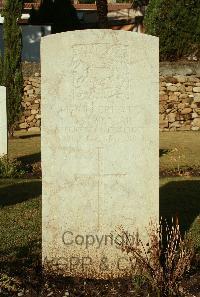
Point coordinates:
pixel 91 36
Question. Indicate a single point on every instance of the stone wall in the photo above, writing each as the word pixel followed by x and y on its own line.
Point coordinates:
pixel 31 118
pixel 179 103
pixel 179 98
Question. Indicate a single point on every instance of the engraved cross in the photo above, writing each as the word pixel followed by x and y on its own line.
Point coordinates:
pixel 99 177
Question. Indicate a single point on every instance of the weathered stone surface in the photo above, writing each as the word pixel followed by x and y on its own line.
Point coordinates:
pixel 99 144
pixel 34 111
pixel 163 124
pixel 195 128
pixel 31 101
pixel 30 118
pixel 3 123
pixel 171 117
pixel 183 96
pixel 193 79
pixel 163 97
pixel 180 78
pixel 196 89
pixel 173 98
pixel 162 108
pixel 186 110
pixel 23 125
pixel 194 115
pixel 27 88
pixel 172 88
pixel 38 116
pixel 197 98
pixel 196 122
pixel 34 129
pixel 193 105
pixel 162 93
pixel 175 124
pixel 189 89
pixel 30 92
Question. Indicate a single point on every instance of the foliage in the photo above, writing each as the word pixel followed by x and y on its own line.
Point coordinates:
pixel 140 3
pixel 194 234
pixel 177 24
pixel 87 1
pixel 12 74
pixel 1 70
pixel 8 283
pixel 10 168
pixel 163 261
pixel 61 14
pixel 102 11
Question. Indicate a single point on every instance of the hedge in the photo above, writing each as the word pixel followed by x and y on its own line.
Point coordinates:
pixel 177 24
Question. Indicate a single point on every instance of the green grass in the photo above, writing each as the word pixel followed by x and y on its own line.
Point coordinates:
pixel 20 224
pixel 25 147
pixel 180 197
pixel 179 149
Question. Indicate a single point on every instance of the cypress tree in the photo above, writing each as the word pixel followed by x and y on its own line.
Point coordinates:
pixel 12 69
pixel 1 70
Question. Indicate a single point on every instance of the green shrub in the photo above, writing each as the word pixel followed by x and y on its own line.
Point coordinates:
pixel 86 1
pixel 1 70
pixel 195 234
pixel 177 24
pixel 12 68
pixel 10 168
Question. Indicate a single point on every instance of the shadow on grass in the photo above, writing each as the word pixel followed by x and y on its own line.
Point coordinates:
pixel 163 152
pixel 19 192
pixel 180 199
pixel 30 159
pixel 29 136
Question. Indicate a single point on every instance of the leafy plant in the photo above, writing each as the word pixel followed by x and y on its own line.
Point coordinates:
pixel 194 235
pixel 10 284
pixel 177 24
pixel 1 70
pixel 10 168
pixel 12 69
pixel 163 261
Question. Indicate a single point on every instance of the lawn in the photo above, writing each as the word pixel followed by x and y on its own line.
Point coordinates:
pixel 20 201
pixel 20 231
pixel 179 149
pixel 25 147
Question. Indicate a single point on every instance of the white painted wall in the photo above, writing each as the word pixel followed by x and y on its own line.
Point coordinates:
pixel 31 41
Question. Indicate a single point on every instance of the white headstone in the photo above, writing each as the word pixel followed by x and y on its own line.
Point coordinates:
pixel 3 123
pixel 99 147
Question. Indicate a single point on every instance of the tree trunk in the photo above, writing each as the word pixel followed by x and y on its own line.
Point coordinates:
pixel 102 10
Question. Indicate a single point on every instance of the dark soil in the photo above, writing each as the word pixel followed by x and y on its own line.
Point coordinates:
pixel 185 171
